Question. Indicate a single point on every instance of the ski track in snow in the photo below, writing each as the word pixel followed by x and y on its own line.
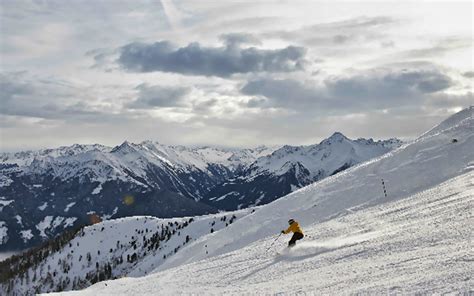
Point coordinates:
pixel 421 244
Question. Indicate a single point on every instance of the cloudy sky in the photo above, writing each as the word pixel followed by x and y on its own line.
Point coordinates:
pixel 229 73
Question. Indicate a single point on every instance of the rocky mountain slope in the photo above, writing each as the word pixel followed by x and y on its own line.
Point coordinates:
pixel 292 167
pixel 44 192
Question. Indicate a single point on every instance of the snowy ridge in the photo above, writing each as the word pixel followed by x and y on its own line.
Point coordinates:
pixel 452 121
pixel 68 183
pixel 105 163
pixel 113 249
pixel 25 158
pixel 330 155
pixel 292 167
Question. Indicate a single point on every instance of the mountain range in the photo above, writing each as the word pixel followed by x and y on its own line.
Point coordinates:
pixel 43 193
pixel 413 238
pixel 292 167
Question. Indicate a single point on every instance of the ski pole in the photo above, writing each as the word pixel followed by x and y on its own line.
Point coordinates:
pixel 273 242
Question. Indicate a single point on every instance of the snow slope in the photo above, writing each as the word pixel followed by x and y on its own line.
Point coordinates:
pixel 416 239
pixel 420 244
pixel 126 244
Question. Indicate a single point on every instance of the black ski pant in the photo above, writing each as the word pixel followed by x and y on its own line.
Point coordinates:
pixel 296 236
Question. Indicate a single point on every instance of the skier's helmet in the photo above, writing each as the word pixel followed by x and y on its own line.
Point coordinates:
pixel 291 221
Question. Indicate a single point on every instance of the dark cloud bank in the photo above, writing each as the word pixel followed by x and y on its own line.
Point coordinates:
pixel 374 89
pixel 51 98
pixel 195 59
pixel 159 96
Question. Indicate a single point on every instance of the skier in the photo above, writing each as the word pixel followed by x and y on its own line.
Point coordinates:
pixel 297 232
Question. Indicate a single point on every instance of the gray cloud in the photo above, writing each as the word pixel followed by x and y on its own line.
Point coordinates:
pixel 389 84
pixel 285 93
pixel 387 44
pixel 194 59
pixel 445 101
pixel 355 30
pixel 468 74
pixel 16 97
pixel 341 39
pixel 359 22
pixel 46 98
pixel 204 106
pixel 159 96
pixel 49 40
pixel 440 48
pixel 232 39
pixel 12 87
pixel 380 88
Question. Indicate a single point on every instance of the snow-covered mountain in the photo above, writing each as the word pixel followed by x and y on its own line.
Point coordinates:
pixel 416 239
pixel 111 249
pixel 292 167
pixel 58 189
pixel 128 162
pixel 44 192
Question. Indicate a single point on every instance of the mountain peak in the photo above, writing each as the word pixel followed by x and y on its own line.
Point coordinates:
pixel 147 142
pixel 335 138
pixel 338 135
pixel 125 147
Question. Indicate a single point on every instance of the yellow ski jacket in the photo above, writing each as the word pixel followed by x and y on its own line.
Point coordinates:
pixel 294 227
